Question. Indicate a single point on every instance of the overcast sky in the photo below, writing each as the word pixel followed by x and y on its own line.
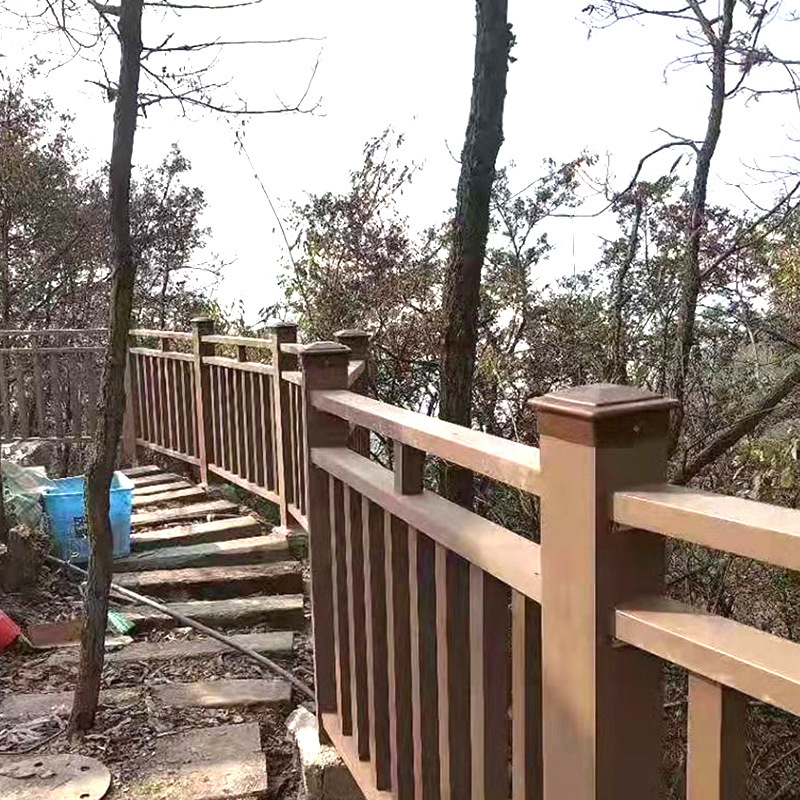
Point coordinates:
pixel 409 65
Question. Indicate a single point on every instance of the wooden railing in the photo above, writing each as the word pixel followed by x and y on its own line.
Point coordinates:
pixel 453 658
pixel 49 383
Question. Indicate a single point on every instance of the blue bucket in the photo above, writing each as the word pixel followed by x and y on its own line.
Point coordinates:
pixel 66 514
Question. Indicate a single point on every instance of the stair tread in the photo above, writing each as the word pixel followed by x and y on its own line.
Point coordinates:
pixel 196 533
pixel 183 495
pixel 143 518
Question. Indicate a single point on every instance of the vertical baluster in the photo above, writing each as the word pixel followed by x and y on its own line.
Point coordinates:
pixel 194 418
pixel 92 380
pixel 158 405
pixel 41 426
pixel 74 380
pixel 5 400
pixel 292 483
pixel 257 428
pixel 716 767
pixel 344 696
pixel 22 398
pixel 264 404
pixel 143 422
pixel 526 713
pixel 169 400
pixel 230 420
pixel 56 390
pixel 182 401
pixel 221 418
pixel 202 327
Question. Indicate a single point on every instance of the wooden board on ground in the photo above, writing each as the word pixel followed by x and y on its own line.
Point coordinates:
pixel 193 511
pixel 225 693
pixel 283 612
pixel 270 643
pixel 154 478
pixel 54 777
pixel 31 706
pixel 196 533
pixel 159 488
pixel 283 577
pixel 254 550
pixel 220 763
pixel 137 472
pixel 179 495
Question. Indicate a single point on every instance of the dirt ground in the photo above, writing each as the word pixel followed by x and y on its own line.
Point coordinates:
pixel 123 736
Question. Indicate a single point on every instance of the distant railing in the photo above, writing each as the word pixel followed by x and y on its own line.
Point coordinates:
pixel 49 384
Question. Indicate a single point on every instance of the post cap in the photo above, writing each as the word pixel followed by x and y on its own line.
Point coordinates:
pixel 275 324
pixel 603 414
pixel 321 348
pixel 352 333
pixel 201 320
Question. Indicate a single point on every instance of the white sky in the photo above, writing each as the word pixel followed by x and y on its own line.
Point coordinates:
pixel 409 65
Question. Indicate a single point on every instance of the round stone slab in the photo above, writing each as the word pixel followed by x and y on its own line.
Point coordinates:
pixel 63 777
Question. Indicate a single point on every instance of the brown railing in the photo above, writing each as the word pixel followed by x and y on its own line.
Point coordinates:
pixel 455 659
pixel 49 382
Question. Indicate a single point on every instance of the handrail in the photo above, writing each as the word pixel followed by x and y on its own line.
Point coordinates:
pixel 751 661
pixel 169 354
pixel 239 341
pixel 511 558
pixel 355 369
pixel 506 461
pixel 155 334
pixel 245 366
pixel 744 527
pixel 292 348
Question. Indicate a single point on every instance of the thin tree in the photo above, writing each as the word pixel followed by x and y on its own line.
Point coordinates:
pixel 88 25
pixel 470 228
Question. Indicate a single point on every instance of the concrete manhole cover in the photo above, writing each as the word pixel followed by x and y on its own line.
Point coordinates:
pixel 65 777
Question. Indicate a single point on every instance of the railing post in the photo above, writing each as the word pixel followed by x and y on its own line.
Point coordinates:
pixel 602 704
pixel 282 333
pixel 129 458
pixel 203 326
pixel 324 366
pixel 358 342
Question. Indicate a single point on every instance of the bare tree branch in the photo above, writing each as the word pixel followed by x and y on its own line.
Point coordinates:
pixel 190 48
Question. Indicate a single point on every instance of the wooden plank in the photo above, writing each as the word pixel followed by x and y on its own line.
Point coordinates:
pixel 22 401
pixel 229 421
pixel 282 362
pixel 139 472
pixel 301 455
pixel 340 607
pixel 183 403
pixel 38 391
pixel 398 636
pixel 239 341
pixel 178 650
pixel 253 367
pixel 179 418
pixel 164 355
pixel 263 425
pixel 512 559
pixel 178 336
pixel 196 533
pixel 253 434
pixel 510 462
pixel 716 765
pixel 159 366
pixel 216 582
pixel 751 661
pixel 253 488
pixel 526 698
pixel 169 400
pixel 56 393
pixel 238 423
pixel 182 495
pixel 293 484
pixel 424 661
pixel 5 403
pixel 230 693
pixel 372 518
pixel 153 478
pixel 282 612
pixel 745 527
pixel 192 511
pixel 253 550
pixel 354 534
pixel 157 448
pixel 143 422
pixel 158 488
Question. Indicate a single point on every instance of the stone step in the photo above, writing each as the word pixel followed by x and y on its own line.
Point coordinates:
pixel 156 477
pixel 282 612
pixel 137 472
pixel 233 552
pixel 271 643
pixel 19 707
pixel 220 763
pixel 225 693
pixel 157 488
pixel 196 533
pixel 285 577
pixel 180 495
pixel 193 511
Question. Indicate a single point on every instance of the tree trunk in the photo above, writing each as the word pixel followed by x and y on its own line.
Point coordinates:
pixel 471 227
pixel 690 284
pixel 109 426
pixel 619 365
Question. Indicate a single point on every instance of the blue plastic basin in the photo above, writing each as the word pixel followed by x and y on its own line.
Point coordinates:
pixel 66 513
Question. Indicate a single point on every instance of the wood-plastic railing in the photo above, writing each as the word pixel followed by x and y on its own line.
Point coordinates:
pixel 49 382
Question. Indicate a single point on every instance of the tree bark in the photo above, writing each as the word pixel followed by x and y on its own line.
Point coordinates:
pixel 691 283
pixel 619 367
pixel 471 227
pixel 728 437
pixel 109 426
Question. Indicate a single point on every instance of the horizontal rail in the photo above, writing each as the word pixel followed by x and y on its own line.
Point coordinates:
pixel 149 334
pixel 243 366
pixel 168 354
pixel 34 349
pixel 167 451
pixel 249 486
pixel 55 332
pixel 751 661
pixel 239 341
pixel 512 559
pixel 293 376
pixel 744 527
pixel 355 369
pixel 510 462
pixel 299 517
